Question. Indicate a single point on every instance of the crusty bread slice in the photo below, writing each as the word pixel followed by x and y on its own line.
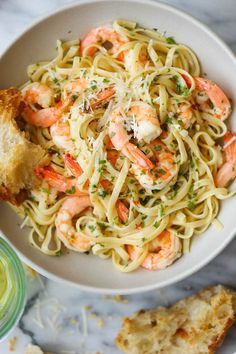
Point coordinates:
pixel 195 325
pixel 18 156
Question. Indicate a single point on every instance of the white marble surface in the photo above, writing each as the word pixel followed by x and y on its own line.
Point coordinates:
pixel 50 302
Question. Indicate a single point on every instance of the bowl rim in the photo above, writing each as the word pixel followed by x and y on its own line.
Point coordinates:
pixel 186 273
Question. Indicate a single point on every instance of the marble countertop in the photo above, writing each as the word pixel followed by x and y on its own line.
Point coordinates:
pixel 55 314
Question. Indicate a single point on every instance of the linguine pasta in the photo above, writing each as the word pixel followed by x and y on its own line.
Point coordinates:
pixel 145 67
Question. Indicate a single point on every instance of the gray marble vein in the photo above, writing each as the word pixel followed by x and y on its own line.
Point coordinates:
pixel 54 314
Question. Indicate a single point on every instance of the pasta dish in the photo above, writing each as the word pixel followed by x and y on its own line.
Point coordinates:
pixel 133 131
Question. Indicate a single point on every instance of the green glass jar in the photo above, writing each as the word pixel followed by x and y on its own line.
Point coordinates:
pixel 12 289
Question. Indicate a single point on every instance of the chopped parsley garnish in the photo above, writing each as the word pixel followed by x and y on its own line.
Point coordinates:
pixel 158 148
pixel 102 225
pixel 102 193
pixel 94 188
pixel 145 200
pixel 92 228
pixel 180 87
pixel 106 81
pixel 156 224
pixel 191 205
pixel 93 85
pixel 192 164
pixel 162 210
pixel 44 190
pixel 71 190
pixel 74 98
pixel 160 171
pixel 170 40
pixel 169 120
pixel 55 80
pixel 102 164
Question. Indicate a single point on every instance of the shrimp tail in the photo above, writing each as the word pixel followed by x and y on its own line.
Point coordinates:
pixel 137 156
pixel 122 211
pixel 230 150
pixel 73 165
pixel 53 178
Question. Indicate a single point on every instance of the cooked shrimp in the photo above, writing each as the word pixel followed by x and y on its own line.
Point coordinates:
pixel 73 165
pixel 37 93
pixel 46 117
pixel 185 114
pixel 105 36
pixel 65 231
pixel 102 97
pixel 77 86
pixel 227 172
pixel 57 181
pixel 207 90
pixel 147 121
pixel 163 251
pixel 122 211
pixel 120 139
pixel 164 170
pixel 60 133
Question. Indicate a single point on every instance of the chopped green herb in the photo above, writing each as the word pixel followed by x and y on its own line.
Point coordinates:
pixel 156 224
pixel 191 205
pixel 106 81
pixel 55 80
pixel 94 188
pixel 71 190
pixel 160 171
pixel 102 193
pixel 102 225
pixel 92 228
pixel 158 147
pixel 145 200
pixel 74 98
pixel 44 190
pixel 162 210
pixel 93 85
pixel 169 120
pixel 170 40
pixel 192 164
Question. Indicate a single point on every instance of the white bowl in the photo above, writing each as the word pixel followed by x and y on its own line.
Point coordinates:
pixel 38 42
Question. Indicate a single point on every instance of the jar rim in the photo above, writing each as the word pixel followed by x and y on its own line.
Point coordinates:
pixel 20 286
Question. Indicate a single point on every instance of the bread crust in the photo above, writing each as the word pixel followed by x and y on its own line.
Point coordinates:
pixel 195 325
pixel 18 156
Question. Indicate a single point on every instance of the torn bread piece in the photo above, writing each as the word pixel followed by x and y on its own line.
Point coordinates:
pixel 194 325
pixel 18 156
